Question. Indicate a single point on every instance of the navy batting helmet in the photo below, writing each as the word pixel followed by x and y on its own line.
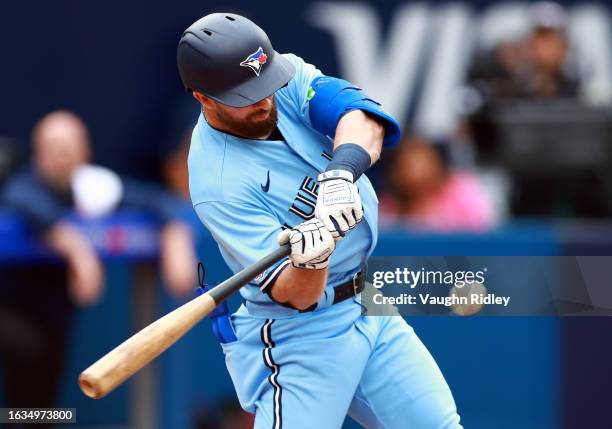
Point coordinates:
pixel 231 60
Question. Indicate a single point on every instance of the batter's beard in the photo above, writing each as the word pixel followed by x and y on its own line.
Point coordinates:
pixel 249 128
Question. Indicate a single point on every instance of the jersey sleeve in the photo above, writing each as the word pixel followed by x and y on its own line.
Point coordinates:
pixel 245 234
pixel 300 87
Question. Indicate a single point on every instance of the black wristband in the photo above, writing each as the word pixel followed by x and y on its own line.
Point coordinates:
pixel 350 157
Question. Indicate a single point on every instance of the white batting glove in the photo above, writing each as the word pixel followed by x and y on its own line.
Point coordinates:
pixel 338 203
pixel 311 244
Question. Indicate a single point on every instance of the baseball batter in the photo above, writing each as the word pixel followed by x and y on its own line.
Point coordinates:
pixel 278 156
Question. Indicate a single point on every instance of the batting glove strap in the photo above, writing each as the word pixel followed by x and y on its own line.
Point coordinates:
pixel 335 174
pixel 313 266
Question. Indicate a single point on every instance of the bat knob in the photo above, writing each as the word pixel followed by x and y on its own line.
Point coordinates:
pixel 89 387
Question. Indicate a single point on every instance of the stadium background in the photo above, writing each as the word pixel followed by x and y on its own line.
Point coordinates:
pixel 114 65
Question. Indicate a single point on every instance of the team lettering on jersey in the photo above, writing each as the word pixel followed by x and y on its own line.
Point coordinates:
pixel 305 200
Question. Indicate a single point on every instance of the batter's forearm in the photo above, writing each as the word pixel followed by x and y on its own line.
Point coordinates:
pixel 362 129
pixel 299 287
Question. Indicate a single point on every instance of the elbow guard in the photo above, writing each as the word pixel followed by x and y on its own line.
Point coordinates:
pixel 330 98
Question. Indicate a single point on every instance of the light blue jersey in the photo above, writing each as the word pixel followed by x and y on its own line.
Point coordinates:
pixel 245 191
pixel 306 370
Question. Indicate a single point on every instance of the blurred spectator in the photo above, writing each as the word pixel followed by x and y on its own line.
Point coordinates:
pixel 175 167
pixel 429 194
pixel 526 117
pixel 9 157
pixel 175 143
pixel 37 303
pixel 548 69
pixel 537 66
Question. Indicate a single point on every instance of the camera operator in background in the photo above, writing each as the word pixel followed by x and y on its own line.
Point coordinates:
pixel 38 301
pixel 531 128
pixel 538 65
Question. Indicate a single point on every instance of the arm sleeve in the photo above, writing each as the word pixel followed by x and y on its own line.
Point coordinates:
pixel 332 98
pixel 323 100
pixel 245 233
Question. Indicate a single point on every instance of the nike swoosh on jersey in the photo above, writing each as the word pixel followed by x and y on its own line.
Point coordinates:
pixel 266 187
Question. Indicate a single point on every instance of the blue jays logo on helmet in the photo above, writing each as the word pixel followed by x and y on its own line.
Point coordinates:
pixel 255 61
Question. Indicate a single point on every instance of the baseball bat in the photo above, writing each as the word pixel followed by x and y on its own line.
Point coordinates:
pixel 141 348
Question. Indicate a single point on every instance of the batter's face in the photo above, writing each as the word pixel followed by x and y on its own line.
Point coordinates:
pixel 256 121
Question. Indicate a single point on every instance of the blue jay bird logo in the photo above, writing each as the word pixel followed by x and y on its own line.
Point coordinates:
pixel 255 61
